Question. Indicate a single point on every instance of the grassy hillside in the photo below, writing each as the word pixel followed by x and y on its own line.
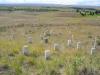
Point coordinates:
pixel 17 26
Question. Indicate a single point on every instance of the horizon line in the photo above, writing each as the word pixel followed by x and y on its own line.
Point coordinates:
pixel 49 4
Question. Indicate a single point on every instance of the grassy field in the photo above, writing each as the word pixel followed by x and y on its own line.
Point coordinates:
pixel 17 26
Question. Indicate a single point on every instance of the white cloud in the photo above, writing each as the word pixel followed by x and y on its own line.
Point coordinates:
pixel 42 1
pixel 61 1
pixel 90 2
pixel 11 1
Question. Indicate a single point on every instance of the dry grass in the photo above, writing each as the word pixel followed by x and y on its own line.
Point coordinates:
pixel 70 61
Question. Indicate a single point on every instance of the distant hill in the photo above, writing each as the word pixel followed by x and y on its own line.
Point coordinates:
pixel 33 4
pixel 49 5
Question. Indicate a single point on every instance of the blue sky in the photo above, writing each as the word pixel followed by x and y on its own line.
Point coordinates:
pixel 65 2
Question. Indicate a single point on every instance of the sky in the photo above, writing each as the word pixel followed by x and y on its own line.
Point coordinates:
pixel 65 2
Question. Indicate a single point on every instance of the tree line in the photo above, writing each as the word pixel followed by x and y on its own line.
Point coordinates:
pixel 8 8
pixel 86 12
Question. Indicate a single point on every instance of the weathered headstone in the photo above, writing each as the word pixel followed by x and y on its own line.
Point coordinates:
pixel 78 45
pixel 56 47
pixel 25 50
pixel 47 54
pixel 93 50
pixel 70 40
pixel 69 43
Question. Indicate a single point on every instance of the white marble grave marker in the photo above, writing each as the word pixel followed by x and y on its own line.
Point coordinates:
pixel 25 50
pixel 78 45
pixel 69 43
pixel 93 50
pixel 47 54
